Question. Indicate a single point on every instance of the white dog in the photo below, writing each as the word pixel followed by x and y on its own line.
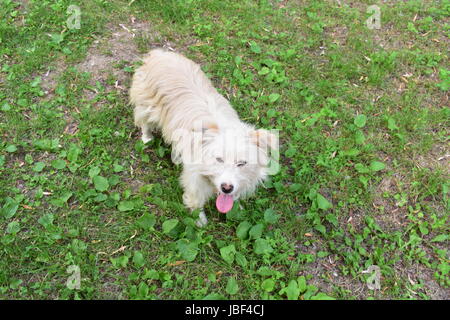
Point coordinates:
pixel 220 154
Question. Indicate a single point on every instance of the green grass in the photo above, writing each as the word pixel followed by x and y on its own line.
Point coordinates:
pixel 363 118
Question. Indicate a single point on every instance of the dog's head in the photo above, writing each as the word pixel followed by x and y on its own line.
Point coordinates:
pixel 235 161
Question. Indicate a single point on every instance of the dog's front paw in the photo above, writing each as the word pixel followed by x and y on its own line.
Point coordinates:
pixel 202 220
pixel 147 137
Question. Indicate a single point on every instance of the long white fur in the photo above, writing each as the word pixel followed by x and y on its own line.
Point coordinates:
pixel 171 93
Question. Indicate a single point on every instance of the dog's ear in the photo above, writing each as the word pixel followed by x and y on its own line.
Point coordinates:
pixel 206 129
pixel 268 146
pixel 209 127
pixel 204 126
pixel 264 139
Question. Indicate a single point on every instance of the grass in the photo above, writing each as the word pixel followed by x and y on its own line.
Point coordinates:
pixel 363 118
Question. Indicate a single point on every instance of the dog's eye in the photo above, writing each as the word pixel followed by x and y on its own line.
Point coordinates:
pixel 241 163
pixel 219 160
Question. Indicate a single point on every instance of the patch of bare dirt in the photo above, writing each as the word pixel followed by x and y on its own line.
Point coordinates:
pixel 71 127
pixel 23 10
pixel 394 215
pixel 416 274
pixel 327 275
pixel 50 78
pixel 437 158
pixel 339 34
pixel 112 290
pixel 23 3
pixel 109 56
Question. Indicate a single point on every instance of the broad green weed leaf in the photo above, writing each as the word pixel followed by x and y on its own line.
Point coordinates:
pixel 262 246
pixel 377 166
pixel 11 148
pixel 58 164
pixel 360 120
pixel 9 208
pixel 13 227
pixel 270 216
pixel 169 225
pixel 254 47
pixel 232 286
pixel 301 282
pixel 100 183
pixel 138 259
pixel 46 220
pixel 228 253
pixel 38 166
pixel 322 296
pixel 242 229
pixel 241 259
pixel 256 231
pixel 274 97
pixel 120 262
pixel 323 203
pixel 94 171
pixel 268 285
pixel 214 296
pixel 440 238
pixel 187 249
pixel 125 205
pixel 73 153
pixel 146 221
pixel 292 291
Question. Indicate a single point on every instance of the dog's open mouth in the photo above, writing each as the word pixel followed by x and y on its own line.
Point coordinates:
pixel 224 202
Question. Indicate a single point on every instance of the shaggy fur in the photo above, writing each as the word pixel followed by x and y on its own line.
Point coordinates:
pixel 218 151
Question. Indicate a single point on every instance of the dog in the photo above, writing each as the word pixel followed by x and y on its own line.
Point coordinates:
pixel 220 154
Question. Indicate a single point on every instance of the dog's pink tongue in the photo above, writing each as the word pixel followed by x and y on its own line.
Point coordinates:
pixel 224 203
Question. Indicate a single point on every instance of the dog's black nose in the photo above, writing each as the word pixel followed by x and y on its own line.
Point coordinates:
pixel 226 188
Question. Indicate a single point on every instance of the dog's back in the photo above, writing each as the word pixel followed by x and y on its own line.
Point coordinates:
pixel 171 92
pixel 162 72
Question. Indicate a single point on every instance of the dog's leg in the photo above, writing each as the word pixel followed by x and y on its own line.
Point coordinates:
pixel 144 118
pixel 202 221
pixel 147 134
pixel 193 202
pixel 197 191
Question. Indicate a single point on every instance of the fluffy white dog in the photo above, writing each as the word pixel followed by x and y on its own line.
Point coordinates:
pixel 220 154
